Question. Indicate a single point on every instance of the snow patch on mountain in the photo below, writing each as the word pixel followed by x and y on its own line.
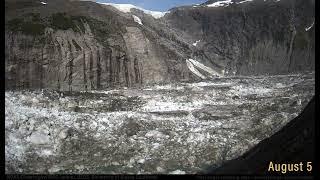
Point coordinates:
pixel 126 8
pixel 308 28
pixel 220 3
pixel 196 43
pixel 137 19
pixel 228 2
pixel 194 70
pixel 203 67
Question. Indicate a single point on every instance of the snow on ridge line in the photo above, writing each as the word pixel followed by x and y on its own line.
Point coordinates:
pixel 228 2
pixel 137 19
pixel 194 70
pixel 220 3
pixel 126 8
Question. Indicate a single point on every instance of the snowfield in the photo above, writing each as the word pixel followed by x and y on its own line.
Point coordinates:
pixel 126 8
pixel 226 3
pixel 220 3
pixel 179 128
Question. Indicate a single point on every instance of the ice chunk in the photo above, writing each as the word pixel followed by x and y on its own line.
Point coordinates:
pixel 141 161
pixel 46 152
pixel 39 137
pixel 63 134
pixel 115 163
pixel 155 133
pixel 93 125
pixel 177 172
pixel 160 169
pixel 156 145
pixel 54 169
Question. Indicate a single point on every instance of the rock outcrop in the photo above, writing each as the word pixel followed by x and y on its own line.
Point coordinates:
pixel 251 37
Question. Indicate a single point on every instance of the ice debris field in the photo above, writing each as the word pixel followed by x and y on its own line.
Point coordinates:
pixel 179 128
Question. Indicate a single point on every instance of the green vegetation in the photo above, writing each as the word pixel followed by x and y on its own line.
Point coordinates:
pixel 33 28
pixel 15 24
pixel 26 27
pixel 35 17
pixel 21 4
pixel 76 23
pixel 101 30
pixel 64 22
pixel 30 25
pixel 33 24
pixel 79 20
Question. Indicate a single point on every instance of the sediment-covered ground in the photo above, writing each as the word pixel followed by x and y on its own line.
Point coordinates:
pixel 174 128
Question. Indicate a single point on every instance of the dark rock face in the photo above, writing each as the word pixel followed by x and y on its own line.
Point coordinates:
pixel 294 143
pixel 255 37
pixel 80 45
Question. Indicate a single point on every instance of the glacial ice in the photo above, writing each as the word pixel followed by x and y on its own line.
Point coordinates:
pixel 168 129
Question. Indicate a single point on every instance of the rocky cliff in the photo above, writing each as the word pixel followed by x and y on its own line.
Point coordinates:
pixel 80 45
pixel 251 37
pixel 75 45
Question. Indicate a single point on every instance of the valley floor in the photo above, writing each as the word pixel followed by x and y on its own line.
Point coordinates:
pixel 174 128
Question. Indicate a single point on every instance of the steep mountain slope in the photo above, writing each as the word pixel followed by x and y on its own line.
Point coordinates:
pixel 77 45
pixel 251 37
pixel 83 45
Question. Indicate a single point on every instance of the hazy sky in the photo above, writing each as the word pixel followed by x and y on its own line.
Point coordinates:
pixel 155 5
